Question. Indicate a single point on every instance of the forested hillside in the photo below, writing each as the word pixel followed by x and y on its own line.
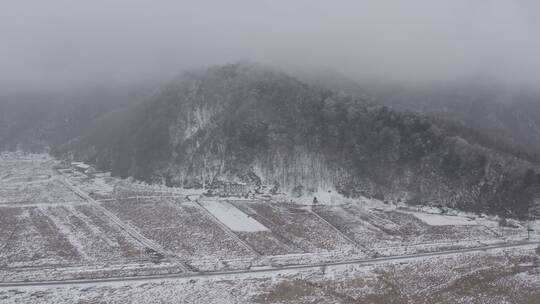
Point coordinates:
pixel 247 123
pixel 504 117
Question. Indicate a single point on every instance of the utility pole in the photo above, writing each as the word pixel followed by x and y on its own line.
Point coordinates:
pixel 528 227
pixel 531 216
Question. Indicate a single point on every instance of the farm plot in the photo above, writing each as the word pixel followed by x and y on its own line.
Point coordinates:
pixel 30 238
pixel 14 166
pixel 412 230
pixel 60 236
pixel 355 222
pixel 232 217
pixel 122 192
pixel 443 220
pixel 267 243
pixel 97 187
pixel 184 228
pixel 95 238
pixel 298 228
pixel 52 191
pixel 8 223
pixel 18 179
pixel 259 237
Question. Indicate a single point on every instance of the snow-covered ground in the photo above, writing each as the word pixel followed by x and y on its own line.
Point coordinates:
pixel 233 218
pixel 487 277
pixel 58 223
pixel 444 220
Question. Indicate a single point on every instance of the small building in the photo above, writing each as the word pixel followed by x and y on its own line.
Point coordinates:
pixel 234 189
pixel 81 167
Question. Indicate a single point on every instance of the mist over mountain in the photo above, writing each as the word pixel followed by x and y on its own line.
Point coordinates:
pixel 245 122
pixel 38 120
pixel 61 44
pixel 270 151
pixel 510 117
pixel 501 116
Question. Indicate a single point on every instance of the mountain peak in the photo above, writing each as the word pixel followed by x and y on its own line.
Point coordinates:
pixel 245 122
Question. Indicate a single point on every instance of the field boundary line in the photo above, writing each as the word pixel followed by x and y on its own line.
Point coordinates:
pixel 342 234
pixel 127 228
pixel 227 230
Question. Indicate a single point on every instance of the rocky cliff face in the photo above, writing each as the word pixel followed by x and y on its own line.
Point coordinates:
pixel 247 123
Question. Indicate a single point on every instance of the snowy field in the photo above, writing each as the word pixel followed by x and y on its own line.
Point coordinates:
pixel 299 227
pixel 58 223
pixel 494 277
pixel 233 218
pixel 444 220
pixel 180 227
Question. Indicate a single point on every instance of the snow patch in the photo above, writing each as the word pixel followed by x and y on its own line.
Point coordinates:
pixel 443 220
pixel 323 197
pixel 232 217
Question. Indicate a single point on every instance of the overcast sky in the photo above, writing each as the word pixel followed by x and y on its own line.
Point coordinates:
pixel 62 43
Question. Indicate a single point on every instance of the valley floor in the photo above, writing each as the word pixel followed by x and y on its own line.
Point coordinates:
pixel 65 234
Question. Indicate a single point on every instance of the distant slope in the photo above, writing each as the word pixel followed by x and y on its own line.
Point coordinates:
pixel 509 117
pixel 35 121
pixel 506 118
pixel 245 122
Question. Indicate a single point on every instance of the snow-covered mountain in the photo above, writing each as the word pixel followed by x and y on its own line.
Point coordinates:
pixel 248 123
pixel 505 117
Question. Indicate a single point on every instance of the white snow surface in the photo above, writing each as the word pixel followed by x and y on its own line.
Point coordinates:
pixel 232 217
pixel 324 197
pixel 443 220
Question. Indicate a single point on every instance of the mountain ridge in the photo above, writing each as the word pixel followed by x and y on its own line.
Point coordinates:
pixel 248 123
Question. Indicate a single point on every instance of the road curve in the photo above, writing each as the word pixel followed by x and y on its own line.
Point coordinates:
pixel 270 270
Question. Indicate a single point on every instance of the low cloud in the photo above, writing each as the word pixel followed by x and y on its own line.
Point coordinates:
pixel 60 43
